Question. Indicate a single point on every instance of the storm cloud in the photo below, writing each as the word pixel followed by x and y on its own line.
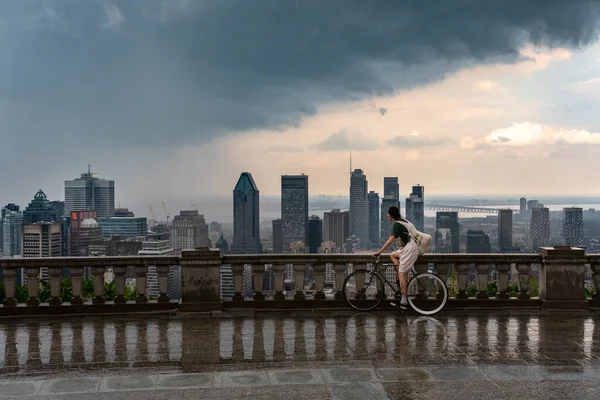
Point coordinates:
pixel 116 74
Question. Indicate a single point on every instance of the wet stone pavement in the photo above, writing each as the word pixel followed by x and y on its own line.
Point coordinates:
pixel 382 355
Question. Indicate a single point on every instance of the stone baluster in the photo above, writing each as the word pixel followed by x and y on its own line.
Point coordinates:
pixel 359 280
pixel 33 284
pixel 483 271
pixel 10 287
pixel 502 276
pixel 523 270
pixel 299 281
pixel 258 273
pixel 462 275
pixel 278 272
pixel 442 271
pixel 77 285
pixel 319 280
pixel 55 275
pixel 339 270
pixel 595 280
pixel 120 272
pixel 238 276
pixel 163 282
pixel 98 280
pixel 140 281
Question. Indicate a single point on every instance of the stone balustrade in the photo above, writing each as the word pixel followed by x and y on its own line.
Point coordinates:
pixel 475 281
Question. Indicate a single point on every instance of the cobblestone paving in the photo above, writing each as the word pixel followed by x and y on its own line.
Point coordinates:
pixel 464 355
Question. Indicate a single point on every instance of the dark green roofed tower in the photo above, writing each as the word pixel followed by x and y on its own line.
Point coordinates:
pixel 40 210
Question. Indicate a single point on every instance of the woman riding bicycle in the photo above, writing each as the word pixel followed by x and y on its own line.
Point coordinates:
pixel 408 251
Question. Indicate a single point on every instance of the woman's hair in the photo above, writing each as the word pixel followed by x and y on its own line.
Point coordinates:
pixel 394 212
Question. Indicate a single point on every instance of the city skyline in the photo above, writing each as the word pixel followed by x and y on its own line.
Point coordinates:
pixel 507 99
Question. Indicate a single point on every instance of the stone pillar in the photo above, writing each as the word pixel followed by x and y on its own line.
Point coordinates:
pixel 258 274
pixel 319 280
pixel 238 278
pixel 299 282
pixel 77 281
pixel 462 271
pixel 524 270
pixel 562 277
pixel 339 270
pixel 595 281
pixel 119 272
pixel 33 284
pixel 55 274
pixel 201 270
pixel 483 271
pixel 278 270
pixel 141 272
pixel 163 282
pixel 502 271
pixel 10 286
pixel 98 276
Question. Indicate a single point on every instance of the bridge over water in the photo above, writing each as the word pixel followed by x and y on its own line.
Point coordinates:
pixel 442 207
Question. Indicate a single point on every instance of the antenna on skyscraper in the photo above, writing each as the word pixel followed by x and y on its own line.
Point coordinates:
pixel 350 163
pixel 89 169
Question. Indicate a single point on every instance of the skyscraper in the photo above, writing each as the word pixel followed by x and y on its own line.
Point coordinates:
pixel 359 208
pixel 573 226
pixel 40 209
pixel 522 207
pixel 478 242
pixel 505 222
pixel 315 234
pixel 539 228
pixel 11 226
pixel 447 232
pixel 374 210
pixel 415 207
pixel 90 193
pixel 277 237
pixel 189 230
pixel 531 204
pixel 391 189
pixel 83 230
pixel 42 239
pixel 294 209
pixel 3 211
pixel 336 227
pixel 246 236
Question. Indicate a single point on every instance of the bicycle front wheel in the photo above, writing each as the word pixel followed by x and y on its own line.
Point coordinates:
pixel 427 294
pixel 363 290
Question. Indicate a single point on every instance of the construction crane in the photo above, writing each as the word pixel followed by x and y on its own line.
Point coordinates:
pixel 166 213
pixel 152 212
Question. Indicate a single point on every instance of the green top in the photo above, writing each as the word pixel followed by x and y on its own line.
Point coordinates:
pixel 400 231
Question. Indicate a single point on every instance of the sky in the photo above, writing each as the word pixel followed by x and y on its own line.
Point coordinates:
pixel 175 98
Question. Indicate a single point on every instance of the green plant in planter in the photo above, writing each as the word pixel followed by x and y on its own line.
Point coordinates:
pixel 21 294
pixel 472 289
pixel 492 288
pixel 44 291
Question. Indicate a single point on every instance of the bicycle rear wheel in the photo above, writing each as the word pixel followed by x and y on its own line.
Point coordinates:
pixel 427 294
pixel 363 290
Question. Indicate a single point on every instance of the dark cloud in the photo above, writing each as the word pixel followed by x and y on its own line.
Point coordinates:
pixel 111 74
pixel 412 141
pixel 343 141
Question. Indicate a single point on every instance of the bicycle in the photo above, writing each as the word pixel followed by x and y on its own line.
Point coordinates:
pixel 424 289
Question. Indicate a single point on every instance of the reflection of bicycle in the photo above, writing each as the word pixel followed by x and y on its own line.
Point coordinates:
pixel 364 290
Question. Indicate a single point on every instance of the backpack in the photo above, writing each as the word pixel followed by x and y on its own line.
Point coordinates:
pixel 423 240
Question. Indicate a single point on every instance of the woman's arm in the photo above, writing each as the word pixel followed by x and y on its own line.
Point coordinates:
pixel 387 244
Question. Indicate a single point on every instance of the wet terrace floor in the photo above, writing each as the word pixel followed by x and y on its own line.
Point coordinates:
pixel 466 355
